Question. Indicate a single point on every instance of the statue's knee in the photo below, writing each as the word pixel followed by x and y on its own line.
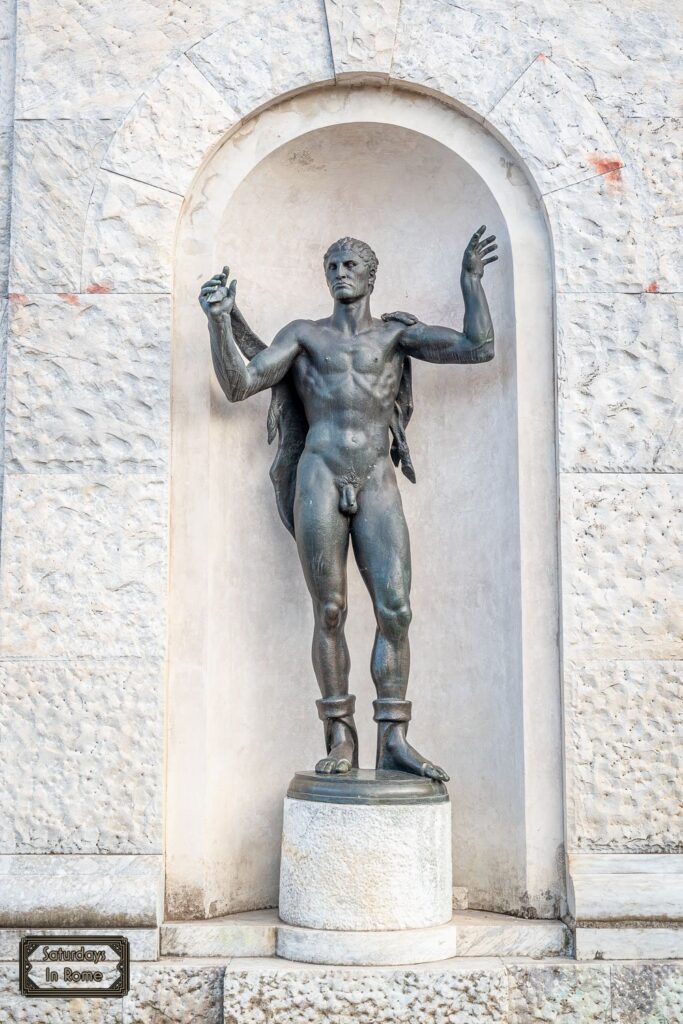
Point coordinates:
pixel 394 619
pixel 332 614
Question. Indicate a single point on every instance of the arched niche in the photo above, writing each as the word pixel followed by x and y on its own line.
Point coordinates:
pixel 414 178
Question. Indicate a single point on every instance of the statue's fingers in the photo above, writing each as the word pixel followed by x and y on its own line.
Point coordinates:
pixel 225 274
pixel 491 259
pixel 214 283
pixel 405 318
pixel 487 241
pixel 474 240
pixel 487 250
pixel 232 290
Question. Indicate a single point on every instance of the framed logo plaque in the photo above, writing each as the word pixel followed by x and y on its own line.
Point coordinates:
pixel 71 966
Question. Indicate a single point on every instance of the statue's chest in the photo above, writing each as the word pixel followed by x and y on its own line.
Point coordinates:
pixel 367 355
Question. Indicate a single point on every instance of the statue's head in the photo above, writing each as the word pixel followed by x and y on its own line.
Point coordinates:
pixel 350 269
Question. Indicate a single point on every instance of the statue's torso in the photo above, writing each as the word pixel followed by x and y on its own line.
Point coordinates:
pixel 348 385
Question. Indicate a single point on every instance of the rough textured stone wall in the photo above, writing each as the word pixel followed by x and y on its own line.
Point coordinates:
pixel 620 380
pixel 479 992
pixel 587 93
pixel 7 59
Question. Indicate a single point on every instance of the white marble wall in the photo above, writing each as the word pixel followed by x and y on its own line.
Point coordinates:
pixel 7 60
pixel 588 94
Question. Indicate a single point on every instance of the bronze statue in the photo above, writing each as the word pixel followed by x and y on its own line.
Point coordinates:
pixel 341 389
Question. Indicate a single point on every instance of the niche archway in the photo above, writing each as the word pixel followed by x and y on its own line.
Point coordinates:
pixel 412 177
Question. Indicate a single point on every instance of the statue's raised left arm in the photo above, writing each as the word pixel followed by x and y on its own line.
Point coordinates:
pixel 474 344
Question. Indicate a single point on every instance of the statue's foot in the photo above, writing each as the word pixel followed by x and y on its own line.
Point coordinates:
pixel 342 750
pixel 397 755
pixel 335 764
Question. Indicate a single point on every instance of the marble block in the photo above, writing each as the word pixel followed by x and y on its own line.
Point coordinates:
pixel 369 851
pixel 367 949
pixel 260 933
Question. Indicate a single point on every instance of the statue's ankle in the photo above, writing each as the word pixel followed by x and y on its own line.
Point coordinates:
pixel 341 735
pixel 395 736
pixel 340 730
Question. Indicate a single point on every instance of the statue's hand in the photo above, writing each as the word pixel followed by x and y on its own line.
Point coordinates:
pixel 405 318
pixel 478 248
pixel 215 297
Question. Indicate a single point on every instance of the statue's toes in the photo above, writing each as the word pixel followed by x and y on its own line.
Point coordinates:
pixel 432 771
pixel 333 766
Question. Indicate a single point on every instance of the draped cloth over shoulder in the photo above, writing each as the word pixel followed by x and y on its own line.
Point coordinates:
pixel 287 419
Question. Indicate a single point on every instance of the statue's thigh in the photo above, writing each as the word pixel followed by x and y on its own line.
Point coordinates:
pixel 322 540
pixel 381 543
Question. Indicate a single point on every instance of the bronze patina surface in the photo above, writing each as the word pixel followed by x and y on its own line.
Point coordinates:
pixel 341 403
pixel 367 786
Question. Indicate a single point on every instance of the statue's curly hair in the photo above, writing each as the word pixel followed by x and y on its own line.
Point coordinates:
pixel 361 249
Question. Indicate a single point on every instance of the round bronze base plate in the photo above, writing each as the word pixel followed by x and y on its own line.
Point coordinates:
pixel 367 786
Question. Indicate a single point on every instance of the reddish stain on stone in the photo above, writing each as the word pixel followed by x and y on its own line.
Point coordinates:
pixel 17 297
pixel 98 289
pixel 653 286
pixel 69 297
pixel 607 165
pixel 542 56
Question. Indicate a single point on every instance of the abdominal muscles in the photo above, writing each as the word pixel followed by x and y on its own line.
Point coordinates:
pixel 348 423
pixel 348 391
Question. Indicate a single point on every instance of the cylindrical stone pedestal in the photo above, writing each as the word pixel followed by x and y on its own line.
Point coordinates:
pixel 366 851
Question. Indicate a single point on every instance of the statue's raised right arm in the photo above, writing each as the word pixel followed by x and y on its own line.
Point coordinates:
pixel 238 379
pixel 474 344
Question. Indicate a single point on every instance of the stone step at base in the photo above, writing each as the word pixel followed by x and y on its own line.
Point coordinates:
pixel 631 942
pixel 485 990
pixel 469 934
pixel 267 990
pixel 249 934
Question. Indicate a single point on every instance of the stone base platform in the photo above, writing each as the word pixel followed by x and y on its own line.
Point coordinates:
pixel 468 934
pixel 270 991
pixel 366 851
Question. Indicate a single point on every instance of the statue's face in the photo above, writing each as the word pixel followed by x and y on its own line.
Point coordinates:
pixel 348 276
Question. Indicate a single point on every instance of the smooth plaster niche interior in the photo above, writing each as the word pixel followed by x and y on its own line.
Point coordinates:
pixel 414 179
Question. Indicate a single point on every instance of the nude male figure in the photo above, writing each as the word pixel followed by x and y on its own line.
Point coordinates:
pixel 347 370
